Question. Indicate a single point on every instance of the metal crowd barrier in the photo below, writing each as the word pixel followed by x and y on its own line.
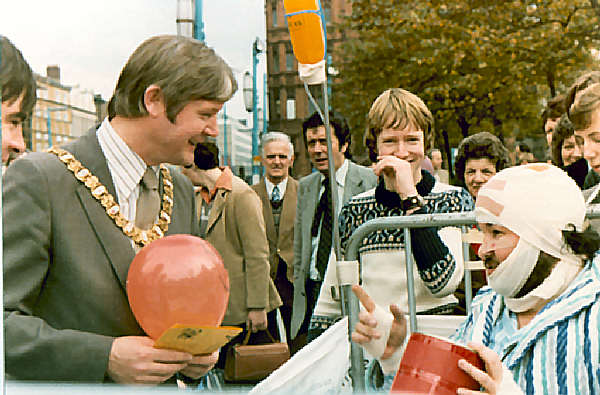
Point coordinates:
pixel 351 308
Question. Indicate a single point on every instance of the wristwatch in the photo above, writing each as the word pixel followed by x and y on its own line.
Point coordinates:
pixel 412 202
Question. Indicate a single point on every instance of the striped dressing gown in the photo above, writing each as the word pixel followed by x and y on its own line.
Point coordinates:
pixel 558 352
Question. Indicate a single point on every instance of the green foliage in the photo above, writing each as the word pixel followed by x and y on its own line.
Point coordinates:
pixel 478 65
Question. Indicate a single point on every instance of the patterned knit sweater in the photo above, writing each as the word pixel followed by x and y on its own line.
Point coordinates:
pixel 382 254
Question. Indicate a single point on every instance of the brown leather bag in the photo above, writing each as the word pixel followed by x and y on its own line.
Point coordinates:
pixel 252 363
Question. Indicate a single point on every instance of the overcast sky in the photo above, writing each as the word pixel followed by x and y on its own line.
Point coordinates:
pixel 91 40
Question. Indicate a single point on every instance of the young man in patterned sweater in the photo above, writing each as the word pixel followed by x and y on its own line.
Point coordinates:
pixel 400 132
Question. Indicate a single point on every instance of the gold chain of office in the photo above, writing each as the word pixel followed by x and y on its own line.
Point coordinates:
pixel 101 194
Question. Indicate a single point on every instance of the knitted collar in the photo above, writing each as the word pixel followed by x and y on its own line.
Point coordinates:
pixel 392 199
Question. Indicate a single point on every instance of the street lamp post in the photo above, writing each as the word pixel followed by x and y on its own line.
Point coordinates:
pixel 251 103
pixel 256 49
pixel 198 23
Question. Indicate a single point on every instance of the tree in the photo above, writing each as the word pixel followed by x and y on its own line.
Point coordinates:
pixel 477 64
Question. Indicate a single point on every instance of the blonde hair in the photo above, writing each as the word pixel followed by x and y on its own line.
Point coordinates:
pixel 183 68
pixel 398 108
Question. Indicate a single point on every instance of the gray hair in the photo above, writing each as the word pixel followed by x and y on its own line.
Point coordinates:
pixel 277 136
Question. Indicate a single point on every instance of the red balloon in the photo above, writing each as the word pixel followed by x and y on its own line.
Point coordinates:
pixel 177 279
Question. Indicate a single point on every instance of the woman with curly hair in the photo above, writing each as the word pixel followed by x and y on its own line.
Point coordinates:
pixel 479 157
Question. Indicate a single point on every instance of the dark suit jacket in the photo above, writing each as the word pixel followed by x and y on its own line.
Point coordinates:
pixel 65 266
pixel 281 246
pixel 358 180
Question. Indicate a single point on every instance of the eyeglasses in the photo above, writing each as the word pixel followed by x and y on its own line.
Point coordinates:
pixel 282 157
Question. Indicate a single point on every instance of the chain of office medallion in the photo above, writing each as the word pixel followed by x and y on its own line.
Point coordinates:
pixel 101 194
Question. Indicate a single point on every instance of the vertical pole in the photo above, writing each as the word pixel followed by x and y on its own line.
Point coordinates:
pixel 225 148
pixel 254 113
pixel 265 103
pixel 49 127
pixel 198 23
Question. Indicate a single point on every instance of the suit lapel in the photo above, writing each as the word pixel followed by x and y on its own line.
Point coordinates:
pixel 113 241
pixel 261 190
pixel 288 210
pixel 353 184
pixel 311 198
pixel 216 209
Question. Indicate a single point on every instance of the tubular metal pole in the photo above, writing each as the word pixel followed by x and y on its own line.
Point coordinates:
pixel 467 274
pixel 349 302
pixel 410 285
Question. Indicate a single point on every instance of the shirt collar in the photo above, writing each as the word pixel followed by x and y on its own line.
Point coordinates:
pixel 224 182
pixel 126 167
pixel 282 186
pixel 340 174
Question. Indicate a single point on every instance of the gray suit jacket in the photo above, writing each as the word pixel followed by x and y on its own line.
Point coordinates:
pixel 358 180
pixel 65 266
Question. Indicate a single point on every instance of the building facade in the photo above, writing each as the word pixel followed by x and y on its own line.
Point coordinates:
pixel 288 103
pixel 61 113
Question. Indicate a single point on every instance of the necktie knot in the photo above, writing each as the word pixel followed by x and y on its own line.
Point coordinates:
pixel 148 202
pixel 275 195
pixel 149 180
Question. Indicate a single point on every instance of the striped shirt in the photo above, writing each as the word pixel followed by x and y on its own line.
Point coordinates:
pixel 558 352
pixel 126 168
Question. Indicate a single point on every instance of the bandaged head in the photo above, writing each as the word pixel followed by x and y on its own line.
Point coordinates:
pixel 537 202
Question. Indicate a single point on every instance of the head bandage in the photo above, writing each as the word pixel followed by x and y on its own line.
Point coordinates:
pixel 537 202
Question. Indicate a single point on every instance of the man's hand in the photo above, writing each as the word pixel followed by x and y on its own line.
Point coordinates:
pixel 257 320
pixel 133 359
pixel 365 331
pixel 200 365
pixel 491 379
pixel 397 175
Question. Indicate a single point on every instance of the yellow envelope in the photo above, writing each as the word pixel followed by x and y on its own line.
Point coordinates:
pixel 196 339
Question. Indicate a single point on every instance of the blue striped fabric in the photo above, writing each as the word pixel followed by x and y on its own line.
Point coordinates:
pixel 558 352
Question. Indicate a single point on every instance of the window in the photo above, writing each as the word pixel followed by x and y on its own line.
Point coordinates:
pixel 290 104
pixel 274 12
pixel 275 57
pixel 289 57
pixel 275 103
pixel 327 14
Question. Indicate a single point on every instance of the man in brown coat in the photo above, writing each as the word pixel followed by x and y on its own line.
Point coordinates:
pixel 278 192
pixel 231 220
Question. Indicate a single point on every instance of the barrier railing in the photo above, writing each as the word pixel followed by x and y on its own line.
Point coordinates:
pixel 351 308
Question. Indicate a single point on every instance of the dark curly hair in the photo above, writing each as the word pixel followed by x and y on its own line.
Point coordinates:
pixel 206 155
pixel 564 129
pixel 478 146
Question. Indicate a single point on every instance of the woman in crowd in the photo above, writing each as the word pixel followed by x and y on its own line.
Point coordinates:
pixel 400 131
pixel 567 151
pixel 479 157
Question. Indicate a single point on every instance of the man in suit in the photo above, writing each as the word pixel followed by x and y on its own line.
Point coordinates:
pixel 18 98
pixel 313 249
pixel 74 219
pixel 235 227
pixel 277 192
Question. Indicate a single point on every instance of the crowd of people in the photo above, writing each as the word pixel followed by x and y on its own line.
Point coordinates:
pixel 66 254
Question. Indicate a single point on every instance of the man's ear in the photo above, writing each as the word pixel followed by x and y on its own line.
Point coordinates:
pixel 154 101
pixel 344 148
